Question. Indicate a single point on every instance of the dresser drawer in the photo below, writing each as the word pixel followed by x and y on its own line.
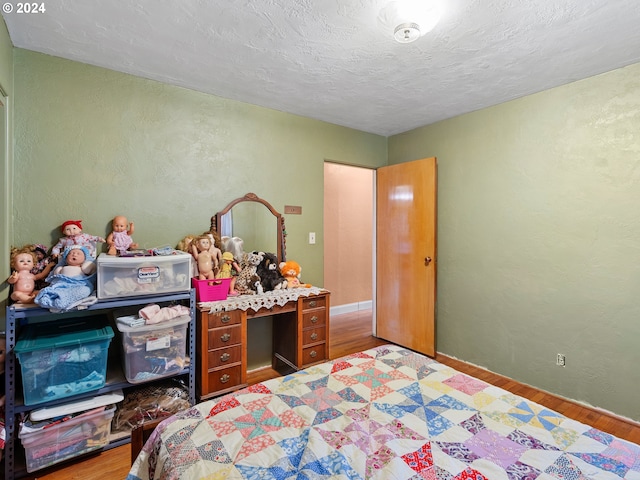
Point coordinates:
pixel 314 302
pixel 314 318
pixel 223 319
pixel 314 335
pixel 224 378
pixel 314 354
pixel 224 337
pixel 224 356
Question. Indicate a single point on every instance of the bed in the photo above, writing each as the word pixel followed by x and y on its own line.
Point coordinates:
pixel 384 413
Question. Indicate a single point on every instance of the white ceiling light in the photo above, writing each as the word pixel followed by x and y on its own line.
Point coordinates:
pixel 408 20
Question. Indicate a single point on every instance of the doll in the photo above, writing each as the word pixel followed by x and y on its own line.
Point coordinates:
pixel 214 249
pixel 235 245
pixel 229 269
pixel 76 264
pixel 200 249
pixel 22 278
pixel 42 260
pixel 72 282
pixel 119 240
pixel 72 230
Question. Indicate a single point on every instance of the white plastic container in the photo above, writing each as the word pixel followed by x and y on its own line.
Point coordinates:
pixel 154 351
pixel 151 275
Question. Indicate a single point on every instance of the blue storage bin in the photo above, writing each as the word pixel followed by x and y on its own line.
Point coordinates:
pixel 63 358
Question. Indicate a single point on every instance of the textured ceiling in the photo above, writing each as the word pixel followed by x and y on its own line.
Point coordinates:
pixel 328 60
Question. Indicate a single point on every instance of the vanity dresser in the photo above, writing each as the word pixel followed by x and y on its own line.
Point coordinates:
pixel 300 334
pixel 300 337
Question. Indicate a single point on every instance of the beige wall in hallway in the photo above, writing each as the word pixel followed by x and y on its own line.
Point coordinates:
pixel 348 230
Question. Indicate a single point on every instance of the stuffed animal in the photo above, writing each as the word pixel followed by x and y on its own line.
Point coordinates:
pixel 270 276
pixel 291 270
pixel 247 281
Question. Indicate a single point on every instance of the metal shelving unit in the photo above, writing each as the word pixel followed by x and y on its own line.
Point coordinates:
pixel 18 316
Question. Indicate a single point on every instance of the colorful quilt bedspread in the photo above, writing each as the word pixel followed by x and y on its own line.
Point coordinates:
pixel 385 413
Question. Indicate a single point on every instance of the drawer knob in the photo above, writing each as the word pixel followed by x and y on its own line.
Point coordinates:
pixel 225 378
pixel 225 319
pixel 226 337
pixel 313 303
pixel 313 354
pixel 314 319
pixel 314 335
pixel 225 357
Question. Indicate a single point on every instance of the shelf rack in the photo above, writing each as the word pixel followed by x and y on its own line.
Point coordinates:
pixel 17 316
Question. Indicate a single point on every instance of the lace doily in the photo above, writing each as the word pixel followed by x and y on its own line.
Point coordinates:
pixel 256 302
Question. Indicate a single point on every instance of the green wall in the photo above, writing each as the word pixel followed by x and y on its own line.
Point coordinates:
pixel 91 143
pixel 6 156
pixel 538 237
pixel 538 201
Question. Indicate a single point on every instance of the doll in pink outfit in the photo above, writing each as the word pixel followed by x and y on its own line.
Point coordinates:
pixel 72 230
pixel 119 240
pixel 22 278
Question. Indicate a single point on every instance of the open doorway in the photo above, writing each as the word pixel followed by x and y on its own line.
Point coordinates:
pixel 348 237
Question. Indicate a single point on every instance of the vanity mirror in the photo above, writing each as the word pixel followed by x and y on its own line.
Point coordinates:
pixel 255 221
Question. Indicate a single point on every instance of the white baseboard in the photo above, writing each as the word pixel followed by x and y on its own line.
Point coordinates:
pixel 351 307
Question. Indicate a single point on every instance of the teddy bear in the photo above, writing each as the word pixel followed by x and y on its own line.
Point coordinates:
pixel 291 270
pixel 248 280
pixel 269 273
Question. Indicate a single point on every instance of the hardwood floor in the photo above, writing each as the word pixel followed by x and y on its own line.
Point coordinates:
pixel 351 333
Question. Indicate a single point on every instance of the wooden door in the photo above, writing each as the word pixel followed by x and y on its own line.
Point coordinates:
pixel 406 254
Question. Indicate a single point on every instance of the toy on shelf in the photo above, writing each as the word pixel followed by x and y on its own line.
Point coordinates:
pixel 291 272
pixel 201 251
pixel 42 260
pixel 269 273
pixel 229 265
pixel 119 240
pixel 248 282
pixel 23 261
pixel 72 282
pixel 214 249
pixel 72 230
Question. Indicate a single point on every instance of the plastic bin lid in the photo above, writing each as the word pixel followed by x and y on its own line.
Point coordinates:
pixel 180 320
pixel 51 335
pixel 75 407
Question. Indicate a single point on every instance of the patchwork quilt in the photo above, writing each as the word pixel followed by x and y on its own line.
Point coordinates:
pixel 385 413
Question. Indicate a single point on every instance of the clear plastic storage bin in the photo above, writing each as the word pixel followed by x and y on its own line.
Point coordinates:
pixel 154 351
pixel 62 359
pixel 151 275
pixel 61 441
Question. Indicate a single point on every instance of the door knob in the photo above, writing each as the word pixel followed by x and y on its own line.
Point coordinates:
pixel 427 261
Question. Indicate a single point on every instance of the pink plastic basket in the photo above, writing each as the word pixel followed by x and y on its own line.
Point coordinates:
pixel 211 290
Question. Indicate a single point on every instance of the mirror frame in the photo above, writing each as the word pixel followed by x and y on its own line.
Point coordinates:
pixel 216 221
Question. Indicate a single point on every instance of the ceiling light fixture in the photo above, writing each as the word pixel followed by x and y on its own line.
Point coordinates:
pixel 408 20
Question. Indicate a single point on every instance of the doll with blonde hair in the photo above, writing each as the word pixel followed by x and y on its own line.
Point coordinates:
pixel 22 278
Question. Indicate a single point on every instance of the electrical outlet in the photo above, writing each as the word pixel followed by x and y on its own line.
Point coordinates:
pixel 561 361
